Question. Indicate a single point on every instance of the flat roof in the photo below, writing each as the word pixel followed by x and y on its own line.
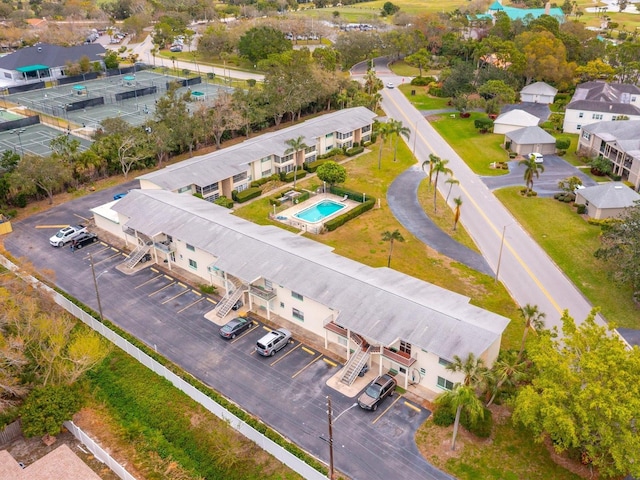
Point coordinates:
pixel 379 303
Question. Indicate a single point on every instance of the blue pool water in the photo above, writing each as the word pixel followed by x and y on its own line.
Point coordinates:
pixel 319 211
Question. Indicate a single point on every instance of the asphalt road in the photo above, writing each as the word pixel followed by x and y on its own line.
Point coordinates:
pixel 287 391
pixel 524 268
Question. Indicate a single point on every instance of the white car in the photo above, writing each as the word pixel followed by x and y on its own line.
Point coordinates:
pixel 538 157
pixel 67 234
pixel 390 85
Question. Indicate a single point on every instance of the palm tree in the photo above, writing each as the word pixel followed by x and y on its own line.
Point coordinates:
pixel 432 160
pixel 461 397
pixel 390 237
pixel 533 318
pixel 472 367
pixel 440 166
pixel 296 145
pixel 451 181
pixel 532 169
pixel 506 371
pixel 456 213
pixel 397 129
pixel 382 130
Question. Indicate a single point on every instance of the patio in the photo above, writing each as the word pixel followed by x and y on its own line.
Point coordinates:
pixel 287 216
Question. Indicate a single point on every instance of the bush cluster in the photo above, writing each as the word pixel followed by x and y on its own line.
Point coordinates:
pixel 566 197
pixel 422 81
pixel 334 223
pixel 224 202
pixel 289 176
pixel 331 153
pixel 246 195
pixel 581 209
pixel 354 151
pixel 311 167
pixel 262 181
pixel 443 416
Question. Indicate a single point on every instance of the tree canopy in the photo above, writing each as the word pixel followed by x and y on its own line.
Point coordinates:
pixel 260 42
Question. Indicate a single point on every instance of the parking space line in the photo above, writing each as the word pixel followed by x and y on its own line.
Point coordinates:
pixel 158 291
pixel 413 407
pixel 326 360
pixel 266 328
pixel 175 296
pixel 190 305
pixel 245 333
pixel 386 410
pixel 310 352
pixel 83 218
pixel 115 249
pixel 154 270
pixel 196 292
pixel 148 281
pixel 182 285
pixel 106 259
pixel 306 366
pixel 168 277
pixel 285 355
pixel 52 226
pixel 212 301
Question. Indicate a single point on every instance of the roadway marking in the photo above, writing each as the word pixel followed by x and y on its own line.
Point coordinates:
pixel 106 259
pixel 168 277
pixel 158 291
pixel 386 410
pixel 52 226
pixel 266 328
pixel 83 218
pixel 310 352
pixel 190 305
pixel 115 249
pixel 484 216
pixel 196 292
pixel 155 270
pixel 306 366
pixel 413 407
pixel 282 357
pixel 326 360
pixel 182 285
pixel 103 244
pixel 174 297
pixel 212 301
pixel 148 281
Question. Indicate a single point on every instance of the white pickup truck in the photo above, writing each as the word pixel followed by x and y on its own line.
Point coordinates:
pixel 67 234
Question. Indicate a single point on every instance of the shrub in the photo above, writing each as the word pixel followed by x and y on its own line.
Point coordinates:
pixel 436 92
pixel 334 223
pixel 422 81
pixel 289 176
pixel 224 202
pixel 483 124
pixel 581 209
pixel 331 153
pixel 262 181
pixel 563 143
pixel 481 427
pixel 513 154
pixel 246 195
pixel 354 151
pixel 275 201
pixel 311 167
pixel 562 153
pixel 46 408
pixel 443 416
pixel 208 289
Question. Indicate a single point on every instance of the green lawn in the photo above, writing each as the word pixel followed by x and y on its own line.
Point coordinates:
pixel 478 151
pixel 422 100
pixel 570 241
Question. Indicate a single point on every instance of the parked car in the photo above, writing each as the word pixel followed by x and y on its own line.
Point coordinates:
pixel 66 234
pixel 83 240
pixel 118 196
pixel 390 85
pixel 235 327
pixel 175 48
pixel 273 341
pixel 238 305
pixel 538 157
pixel 381 388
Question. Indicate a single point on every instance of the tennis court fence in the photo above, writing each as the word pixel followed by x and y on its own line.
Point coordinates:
pixel 19 123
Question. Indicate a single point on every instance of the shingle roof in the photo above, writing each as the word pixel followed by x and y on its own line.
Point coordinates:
pixel 540 88
pixel 61 464
pixel 517 117
pixel 610 195
pixel 530 135
pixel 379 303
pixel 213 167
pixel 51 55
pixel 604 107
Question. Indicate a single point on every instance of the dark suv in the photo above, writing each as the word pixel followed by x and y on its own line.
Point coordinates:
pixel 83 240
pixel 381 388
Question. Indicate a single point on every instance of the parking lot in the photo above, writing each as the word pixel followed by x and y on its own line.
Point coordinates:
pixel 287 391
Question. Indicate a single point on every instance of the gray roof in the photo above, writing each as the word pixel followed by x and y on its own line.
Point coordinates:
pixel 610 195
pixel 379 303
pixel 51 55
pixel 625 134
pixel 539 88
pixel 604 107
pixel 540 110
pixel 530 135
pixel 605 97
pixel 216 166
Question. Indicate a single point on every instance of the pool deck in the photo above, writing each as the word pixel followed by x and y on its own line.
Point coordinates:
pixel 286 216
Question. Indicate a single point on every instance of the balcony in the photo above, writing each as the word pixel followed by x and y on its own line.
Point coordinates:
pixel 398 357
pixel 165 246
pixel 261 292
pixel 332 327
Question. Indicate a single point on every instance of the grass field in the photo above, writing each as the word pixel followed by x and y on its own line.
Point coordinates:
pixel 423 101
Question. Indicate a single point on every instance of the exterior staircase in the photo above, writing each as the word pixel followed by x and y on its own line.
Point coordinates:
pixel 353 367
pixel 144 245
pixel 228 301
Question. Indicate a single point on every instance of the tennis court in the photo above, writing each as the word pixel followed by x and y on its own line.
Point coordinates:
pixel 6 115
pixel 34 139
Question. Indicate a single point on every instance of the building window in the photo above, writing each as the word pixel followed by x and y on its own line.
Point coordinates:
pixel 242 187
pixel 405 347
pixel 266 159
pixel 596 116
pixel 444 383
pixel 204 191
pixel 366 128
pixel 578 127
pixel 184 189
pixel 281 304
pixel 266 173
pixel 328 135
pixel 297 296
pixel 581 115
pixel 443 362
pixel 402 370
pixel 297 314
pixel 193 264
pixel 633 99
pixel 586 135
pixel 239 177
pixel 191 247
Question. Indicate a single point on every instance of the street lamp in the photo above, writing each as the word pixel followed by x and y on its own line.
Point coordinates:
pixel 20 132
pixel 415 136
pixel 95 285
pixel 330 441
pixel 500 252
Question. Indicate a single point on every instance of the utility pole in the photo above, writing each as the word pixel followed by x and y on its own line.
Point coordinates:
pixel 329 412
pixel 95 284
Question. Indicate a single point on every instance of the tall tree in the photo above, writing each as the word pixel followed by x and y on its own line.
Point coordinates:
pixel 420 59
pixel 440 166
pixel 532 169
pixel 221 117
pixel 297 147
pixel 456 214
pixel 451 182
pixel 430 163
pixel 471 367
pixel 533 319
pixel 461 398
pixel 332 173
pixel 397 129
pixel 382 130
pixel 585 396
pixel 391 237
pixel 33 172
pixel 260 42
pixel 507 370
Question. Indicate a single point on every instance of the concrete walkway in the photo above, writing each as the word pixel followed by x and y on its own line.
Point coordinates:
pixel 402 197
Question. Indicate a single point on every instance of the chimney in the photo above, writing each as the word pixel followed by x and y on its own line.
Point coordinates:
pixel 547 8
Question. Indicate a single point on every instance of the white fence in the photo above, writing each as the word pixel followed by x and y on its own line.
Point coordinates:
pixel 98 451
pixel 263 442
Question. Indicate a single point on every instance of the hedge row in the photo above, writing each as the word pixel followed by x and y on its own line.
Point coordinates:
pixel 340 220
pixel 262 181
pixel 354 151
pixel 246 195
pixel 311 167
pixel 289 176
pixel 224 202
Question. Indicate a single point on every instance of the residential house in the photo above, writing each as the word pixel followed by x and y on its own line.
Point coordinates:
pixel 234 168
pixel 44 62
pixel 601 101
pixel 538 92
pixel 607 200
pixel 375 316
pixel 61 464
pixel 617 141
pixel 514 120
pixel 529 140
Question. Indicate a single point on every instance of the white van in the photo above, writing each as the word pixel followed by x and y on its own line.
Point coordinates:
pixel 538 157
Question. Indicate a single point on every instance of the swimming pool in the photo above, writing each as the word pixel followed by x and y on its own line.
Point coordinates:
pixel 320 211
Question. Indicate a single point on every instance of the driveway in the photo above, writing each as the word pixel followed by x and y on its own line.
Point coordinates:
pixel 555 169
pixel 288 391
